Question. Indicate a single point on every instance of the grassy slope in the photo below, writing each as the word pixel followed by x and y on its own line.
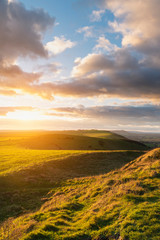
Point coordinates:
pixel 26 175
pixel 124 204
pixel 19 150
pixel 150 139
pixel 100 141
pixel 93 133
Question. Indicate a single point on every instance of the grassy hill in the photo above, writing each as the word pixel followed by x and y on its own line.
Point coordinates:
pixel 150 139
pixel 35 165
pixel 123 204
pixel 27 175
pixel 92 133
pixel 86 141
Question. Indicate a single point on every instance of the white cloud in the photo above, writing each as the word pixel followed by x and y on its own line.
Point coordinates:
pixel 96 16
pixel 105 44
pixel 87 30
pixel 59 45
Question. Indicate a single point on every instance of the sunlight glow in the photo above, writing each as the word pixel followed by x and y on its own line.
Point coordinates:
pixel 24 115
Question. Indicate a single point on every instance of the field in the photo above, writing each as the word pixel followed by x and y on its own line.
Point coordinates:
pixel 36 177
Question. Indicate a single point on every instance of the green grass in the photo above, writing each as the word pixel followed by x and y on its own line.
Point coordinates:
pixel 15 159
pixel 27 175
pixel 94 133
pixel 75 142
pixel 123 204
pixel 48 193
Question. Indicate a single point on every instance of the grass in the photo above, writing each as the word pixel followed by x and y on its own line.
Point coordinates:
pixel 94 133
pixel 27 175
pixel 48 193
pixel 15 159
pixel 123 204
pixel 76 142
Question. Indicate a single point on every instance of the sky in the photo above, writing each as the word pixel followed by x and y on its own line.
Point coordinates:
pixel 80 64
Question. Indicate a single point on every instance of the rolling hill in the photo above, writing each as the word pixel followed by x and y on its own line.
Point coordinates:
pixel 35 165
pixel 123 204
pixel 28 174
pixel 88 140
pixel 148 138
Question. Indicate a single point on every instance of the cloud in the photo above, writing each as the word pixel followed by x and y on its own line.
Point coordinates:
pixel 87 30
pixel 5 110
pixel 104 44
pixel 7 92
pixel 96 16
pixel 59 45
pixel 113 75
pixel 138 21
pixel 92 63
pixel 50 68
pixel 22 30
pixel 21 33
pixel 130 72
pixel 150 114
pixel 13 78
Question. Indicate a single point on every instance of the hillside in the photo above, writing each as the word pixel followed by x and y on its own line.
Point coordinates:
pixel 92 133
pixel 64 141
pixel 26 176
pixel 123 204
pixel 150 139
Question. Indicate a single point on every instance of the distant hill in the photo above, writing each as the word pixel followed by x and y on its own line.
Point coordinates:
pixel 81 140
pixel 123 204
pixel 92 133
pixel 152 140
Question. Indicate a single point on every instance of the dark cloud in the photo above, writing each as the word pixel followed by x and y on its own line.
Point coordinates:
pixel 120 75
pixel 115 114
pixel 97 74
pixel 21 33
pixel 21 30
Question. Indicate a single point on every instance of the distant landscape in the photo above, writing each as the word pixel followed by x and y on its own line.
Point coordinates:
pixel 94 187
pixel 150 139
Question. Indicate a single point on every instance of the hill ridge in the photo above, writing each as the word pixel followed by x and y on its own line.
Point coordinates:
pixel 63 141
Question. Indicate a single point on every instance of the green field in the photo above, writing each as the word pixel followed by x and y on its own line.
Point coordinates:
pixel 35 178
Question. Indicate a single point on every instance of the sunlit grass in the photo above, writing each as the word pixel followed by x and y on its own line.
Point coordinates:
pixel 122 204
pixel 44 187
pixel 15 159
pixel 21 150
